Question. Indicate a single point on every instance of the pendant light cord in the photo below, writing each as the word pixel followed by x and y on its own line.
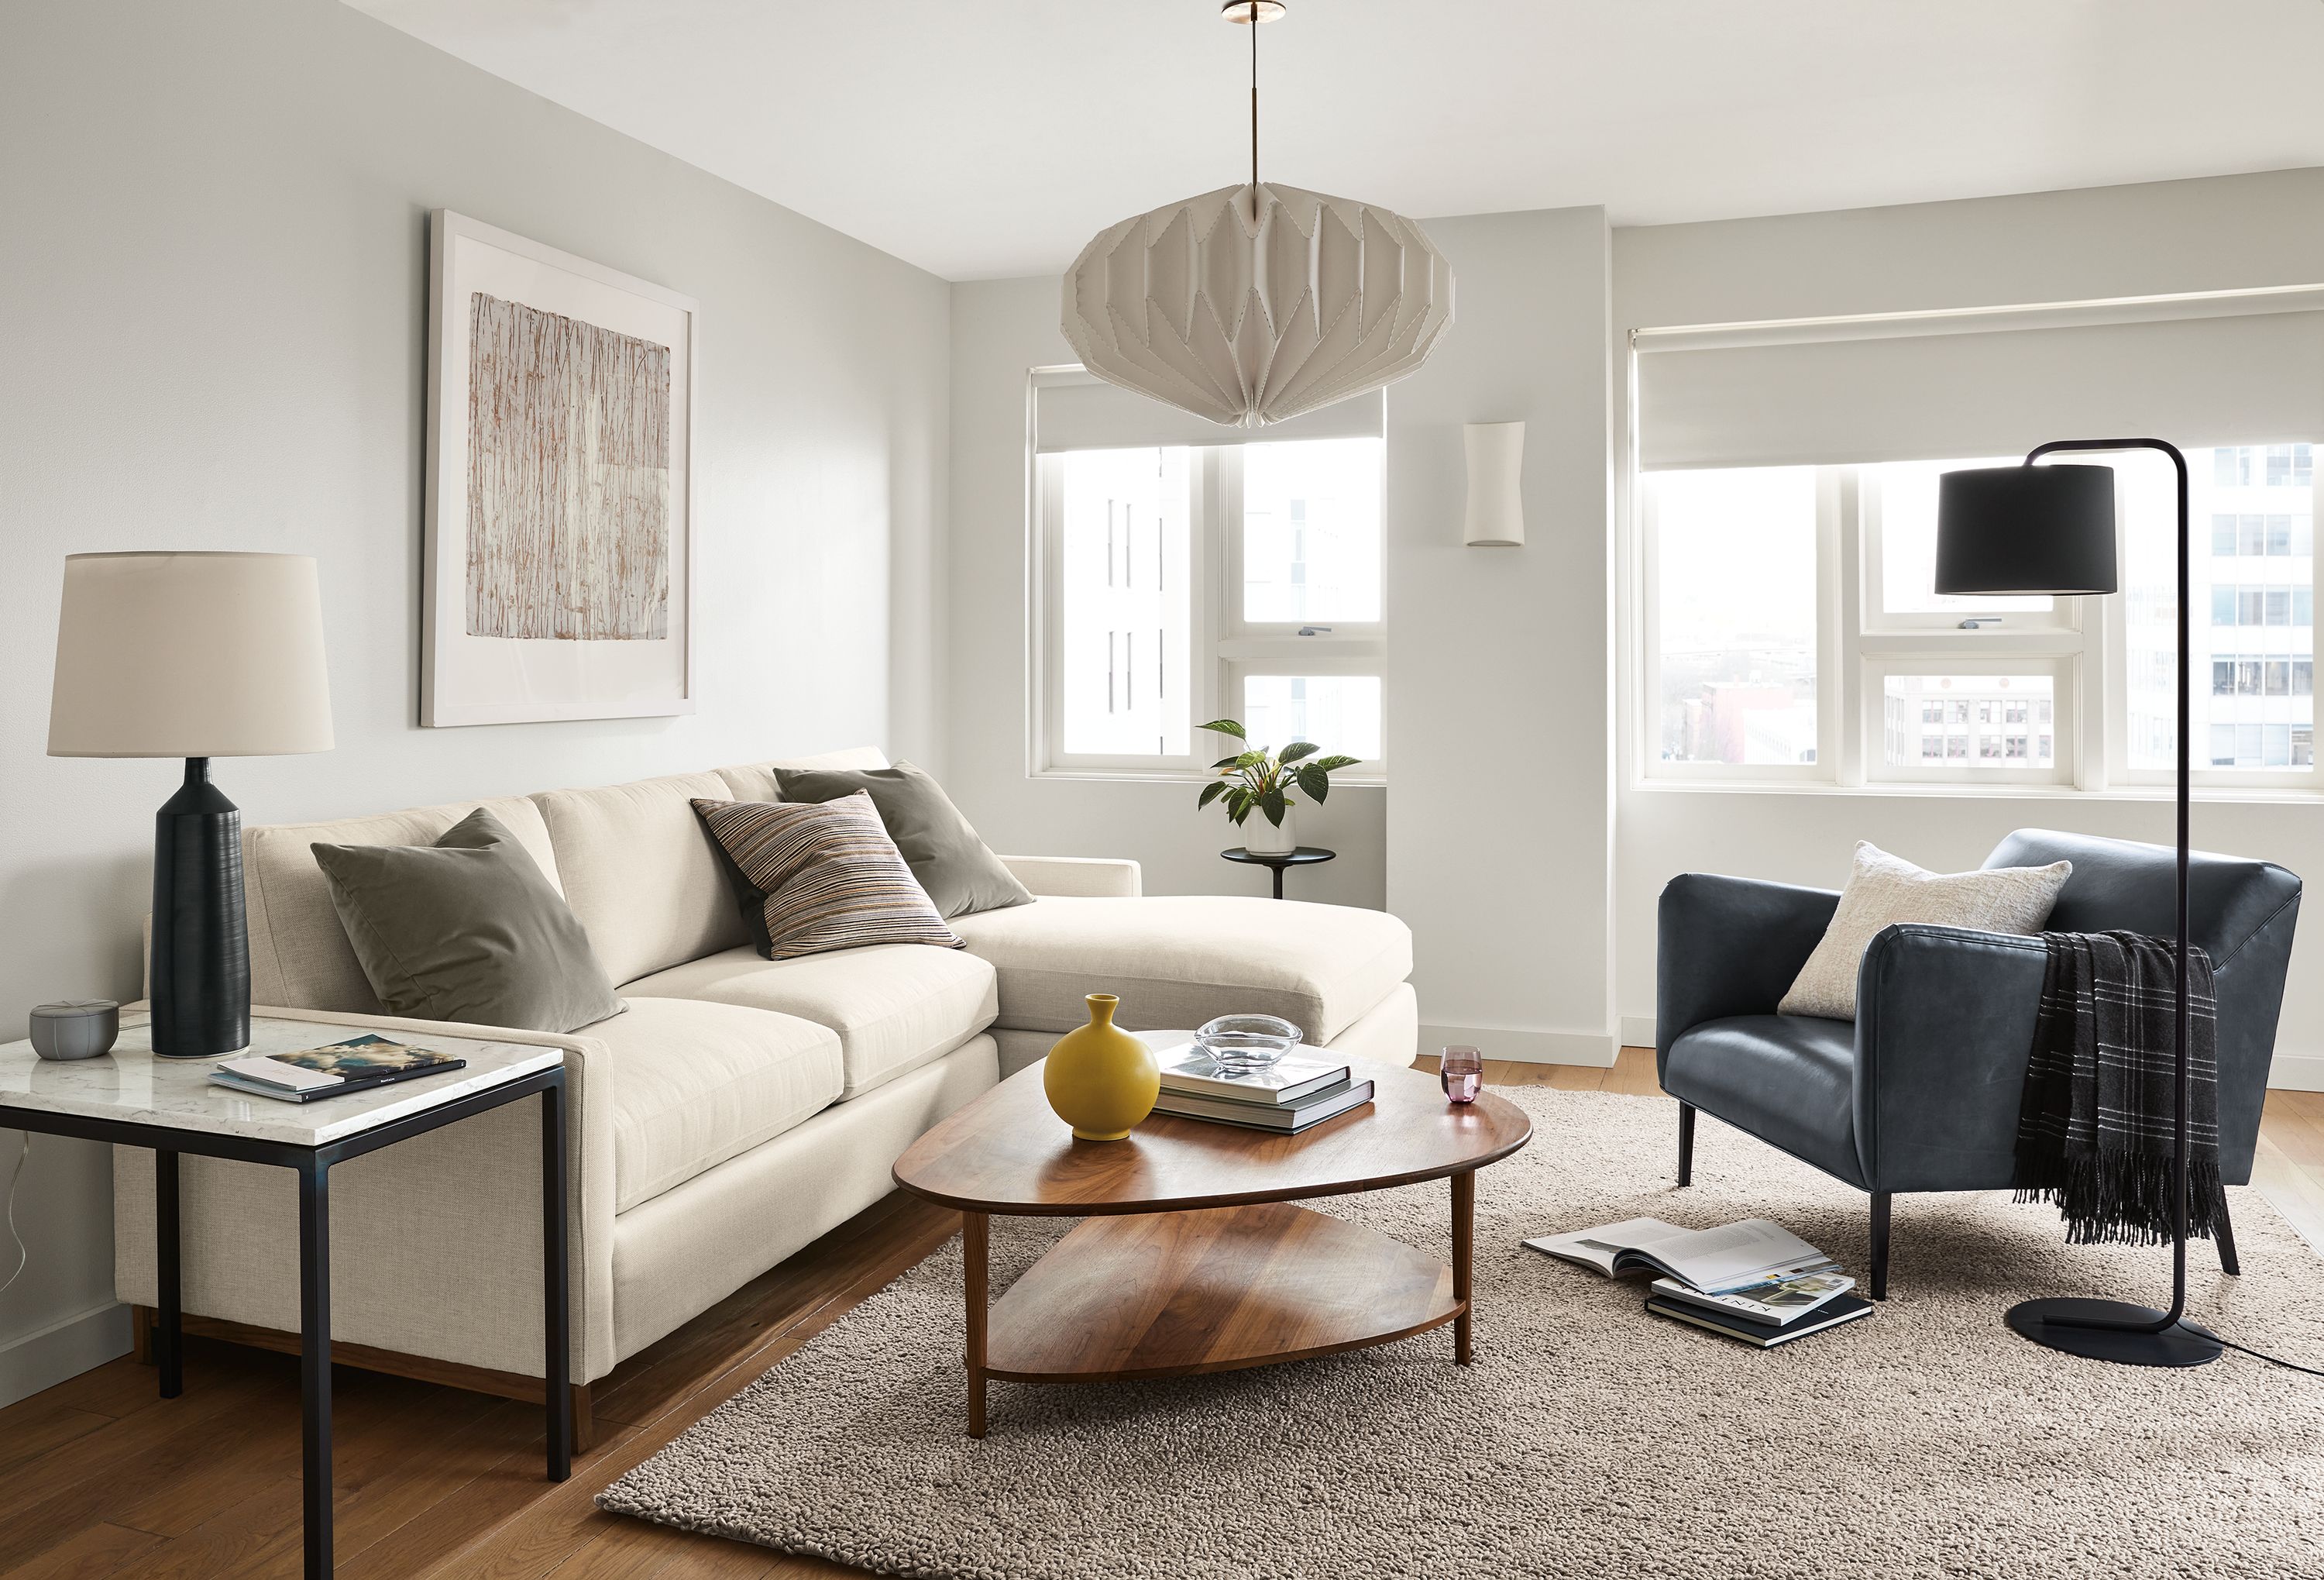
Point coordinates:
pixel 1253 24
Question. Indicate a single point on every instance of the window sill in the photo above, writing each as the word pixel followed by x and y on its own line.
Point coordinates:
pixel 2253 795
pixel 1340 782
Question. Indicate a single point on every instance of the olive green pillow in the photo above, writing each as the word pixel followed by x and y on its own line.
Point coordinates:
pixel 959 871
pixel 467 929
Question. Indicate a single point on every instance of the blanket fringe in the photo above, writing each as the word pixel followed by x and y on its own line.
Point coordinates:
pixel 2110 1196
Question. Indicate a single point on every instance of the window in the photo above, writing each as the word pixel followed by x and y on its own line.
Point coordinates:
pixel 1182 583
pixel 1791 620
pixel 1736 616
pixel 1124 571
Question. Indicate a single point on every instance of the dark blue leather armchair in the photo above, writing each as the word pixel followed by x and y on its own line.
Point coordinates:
pixel 1920 1092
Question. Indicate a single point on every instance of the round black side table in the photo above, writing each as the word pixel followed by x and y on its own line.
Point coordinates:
pixel 1306 855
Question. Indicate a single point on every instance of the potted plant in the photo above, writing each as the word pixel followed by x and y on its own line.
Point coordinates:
pixel 1262 780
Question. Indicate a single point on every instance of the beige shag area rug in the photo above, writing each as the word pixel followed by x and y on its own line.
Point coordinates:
pixel 1589 1439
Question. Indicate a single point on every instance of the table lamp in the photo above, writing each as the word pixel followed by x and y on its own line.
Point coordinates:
pixel 2029 528
pixel 194 656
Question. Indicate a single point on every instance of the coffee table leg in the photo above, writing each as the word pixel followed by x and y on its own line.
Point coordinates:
pixel 973 1246
pixel 1464 1230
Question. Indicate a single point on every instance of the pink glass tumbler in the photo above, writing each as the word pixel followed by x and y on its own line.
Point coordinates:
pixel 1462 1073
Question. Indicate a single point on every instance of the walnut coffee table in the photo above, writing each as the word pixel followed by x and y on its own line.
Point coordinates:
pixel 1191 1257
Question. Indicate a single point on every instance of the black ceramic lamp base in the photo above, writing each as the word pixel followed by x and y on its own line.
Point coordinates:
pixel 200 990
pixel 2051 1323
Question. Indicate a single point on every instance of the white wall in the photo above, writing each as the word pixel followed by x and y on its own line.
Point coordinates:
pixel 213 278
pixel 2222 233
pixel 1001 330
pixel 1500 808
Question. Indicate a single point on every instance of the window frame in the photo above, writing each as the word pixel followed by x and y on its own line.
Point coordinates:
pixel 1227 648
pixel 1860 644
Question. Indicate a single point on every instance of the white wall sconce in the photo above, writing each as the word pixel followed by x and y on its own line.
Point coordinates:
pixel 1495 518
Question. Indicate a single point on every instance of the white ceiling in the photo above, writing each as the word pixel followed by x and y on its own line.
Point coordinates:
pixel 983 138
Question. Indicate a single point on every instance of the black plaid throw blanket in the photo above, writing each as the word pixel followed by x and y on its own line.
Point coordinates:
pixel 2094 1129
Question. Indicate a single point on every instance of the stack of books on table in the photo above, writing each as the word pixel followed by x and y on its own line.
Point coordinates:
pixel 1754 1281
pixel 1287 1096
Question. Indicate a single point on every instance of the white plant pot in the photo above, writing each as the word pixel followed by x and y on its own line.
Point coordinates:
pixel 1261 837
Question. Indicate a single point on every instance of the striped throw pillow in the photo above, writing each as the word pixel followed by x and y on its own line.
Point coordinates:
pixel 824 875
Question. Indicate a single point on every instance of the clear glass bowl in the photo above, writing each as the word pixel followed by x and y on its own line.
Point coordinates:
pixel 1246 1042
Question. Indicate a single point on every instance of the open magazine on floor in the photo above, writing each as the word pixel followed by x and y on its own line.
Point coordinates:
pixel 1731 1257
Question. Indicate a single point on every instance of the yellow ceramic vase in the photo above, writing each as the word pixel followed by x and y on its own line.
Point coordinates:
pixel 1100 1078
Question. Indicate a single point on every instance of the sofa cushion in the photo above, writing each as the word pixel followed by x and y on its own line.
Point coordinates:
pixel 641 874
pixel 894 1006
pixel 300 957
pixel 815 877
pixel 1177 960
pixel 957 869
pixel 755 782
pixel 1789 1080
pixel 467 929
pixel 691 1084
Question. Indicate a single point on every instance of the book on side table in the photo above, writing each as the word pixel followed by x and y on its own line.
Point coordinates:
pixel 1287 1096
pixel 357 1065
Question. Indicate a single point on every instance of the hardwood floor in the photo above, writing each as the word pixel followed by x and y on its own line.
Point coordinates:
pixel 100 1477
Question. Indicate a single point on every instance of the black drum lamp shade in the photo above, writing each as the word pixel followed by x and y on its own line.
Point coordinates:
pixel 2027 529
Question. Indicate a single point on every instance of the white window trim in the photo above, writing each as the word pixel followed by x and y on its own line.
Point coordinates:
pixel 1853 660
pixel 1234 648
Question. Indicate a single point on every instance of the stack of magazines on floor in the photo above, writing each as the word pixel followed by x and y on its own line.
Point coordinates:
pixel 1754 1281
pixel 1287 1095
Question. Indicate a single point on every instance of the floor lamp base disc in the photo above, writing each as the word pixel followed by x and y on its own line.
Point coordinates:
pixel 2049 1322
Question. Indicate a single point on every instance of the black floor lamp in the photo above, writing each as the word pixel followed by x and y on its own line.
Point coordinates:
pixel 2031 529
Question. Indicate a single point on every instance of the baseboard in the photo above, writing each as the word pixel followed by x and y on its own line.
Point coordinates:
pixel 1637 1030
pixel 2297 1072
pixel 61 1350
pixel 1594 1048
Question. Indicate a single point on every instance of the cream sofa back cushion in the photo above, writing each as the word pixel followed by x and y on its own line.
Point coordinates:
pixel 641 872
pixel 300 957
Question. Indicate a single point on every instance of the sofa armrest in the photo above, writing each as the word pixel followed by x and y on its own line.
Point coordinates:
pixel 1076 876
pixel 492 1195
pixel 1944 1026
pixel 1730 946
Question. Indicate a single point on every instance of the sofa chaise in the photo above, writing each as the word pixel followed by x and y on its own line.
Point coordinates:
pixel 739 1109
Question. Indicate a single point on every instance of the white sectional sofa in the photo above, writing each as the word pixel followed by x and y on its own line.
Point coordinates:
pixel 738 1109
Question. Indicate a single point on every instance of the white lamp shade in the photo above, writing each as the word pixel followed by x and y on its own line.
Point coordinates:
pixel 189 655
pixel 1495 517
pixel 1251 304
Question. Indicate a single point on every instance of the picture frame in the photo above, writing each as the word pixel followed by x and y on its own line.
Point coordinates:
pixel 559 561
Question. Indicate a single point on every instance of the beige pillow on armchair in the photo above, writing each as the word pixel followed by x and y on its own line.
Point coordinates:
pixel 1886 888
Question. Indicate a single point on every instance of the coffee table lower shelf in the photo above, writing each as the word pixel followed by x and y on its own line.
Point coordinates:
pixel 1174 1294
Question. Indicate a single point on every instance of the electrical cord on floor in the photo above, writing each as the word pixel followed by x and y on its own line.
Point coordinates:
pixel 23 1255
pixel 2271 1360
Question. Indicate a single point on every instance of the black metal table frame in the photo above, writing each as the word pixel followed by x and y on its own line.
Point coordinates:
pixel 312 1164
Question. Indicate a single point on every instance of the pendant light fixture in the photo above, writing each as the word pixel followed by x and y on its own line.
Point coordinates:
pixel 1251 304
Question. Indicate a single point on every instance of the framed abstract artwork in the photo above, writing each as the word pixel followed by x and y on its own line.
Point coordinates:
pixel 559 521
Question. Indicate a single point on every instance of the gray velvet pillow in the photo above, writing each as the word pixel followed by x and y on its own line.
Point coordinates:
pixel 467 929
pixel 959 871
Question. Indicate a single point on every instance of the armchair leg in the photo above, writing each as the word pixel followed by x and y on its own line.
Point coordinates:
pixel 1879 1245
pixel 1686 1144
pixel 2225 1231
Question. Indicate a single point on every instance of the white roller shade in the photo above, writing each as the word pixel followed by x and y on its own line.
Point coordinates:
pixel 1729 398
pixel 1076 412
